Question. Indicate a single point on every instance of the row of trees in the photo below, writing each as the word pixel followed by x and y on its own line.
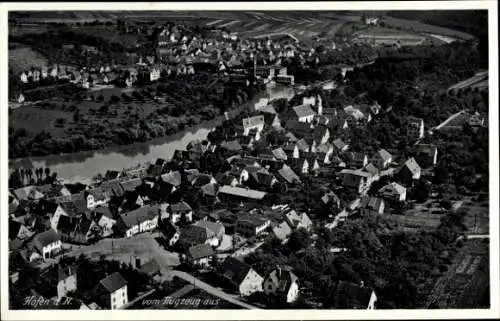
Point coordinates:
pixel 24 176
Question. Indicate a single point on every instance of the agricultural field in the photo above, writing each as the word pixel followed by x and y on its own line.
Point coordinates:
pixel 23 58
pixel 466 284
pixel 479 79
pixel 417 26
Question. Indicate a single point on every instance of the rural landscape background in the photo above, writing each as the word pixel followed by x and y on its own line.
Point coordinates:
pixel 151 143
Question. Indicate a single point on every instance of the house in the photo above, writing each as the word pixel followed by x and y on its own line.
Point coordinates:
pixel 415 128
pixel 373 21
pixel 200 255
pixel 28 193
pixel 382 159
pixel 114 290
pixel 297 221
pixel 303 113
pixel 410 171
pixel 357 180
pixel 231 146
pixel 476 120
pixel 66 281
pixel 67 209
pixel 78 230
pixel 393 192
pixel 426 155
pixel 226 179
pixel 371 206
pixel 357 160
pixel 96 197
pixel 321 134
pixel 131 201
pixel 251 225
pixel 24 77
pixel 169 231
pixel 47 243
pixel 208 193
pixel 240 193
pixel 292 151
pixel 151 269
pixel 313 163
pixel 131 184
pixel 262 178
pixel 18 230
pixel 180 211
pixel 282 231
pixel 140 220
pixel 374 171
pixel 216 228
pixel 347 295
pixel 339 146
pixel 279 154
pixel 241 276
pixel 281 285
pixel 20 99
pixel 105 220
pixel 195 234
pixel 300 165
pixel 288 175
pixel 272 120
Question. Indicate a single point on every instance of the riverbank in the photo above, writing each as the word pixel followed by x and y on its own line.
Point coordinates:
pixel 82 166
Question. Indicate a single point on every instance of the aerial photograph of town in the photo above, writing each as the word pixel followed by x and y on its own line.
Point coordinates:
pixel 248 160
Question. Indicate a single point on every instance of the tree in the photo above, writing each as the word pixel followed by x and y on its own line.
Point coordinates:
pixel 299 239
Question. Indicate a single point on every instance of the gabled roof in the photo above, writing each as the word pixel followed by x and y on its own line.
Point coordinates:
pixel 139 215
pixel 298 128
pixel 303 111
pixel 371 203
pixel 27 192
pixel 253 121
pixel 427 149
pixel 131 184
pixel 209 189
pixel 200 251
pixel 282 230
pixel 216 228
pixel 412 165
pixel 113 282
pixel 269 109
pixel 234 270
pixel 151 267
pixel 174 178
pixel 224 179
pixel 394 188
pixel 48 237
pixel 384 155
pixel 370 168
pixel 98 193
pixel 288 174
pixel 302 145
pixel 231 145
pixel 338 144
pixel 180 207
pixel 71 209
pixel 279 153
pixel 242 192
pixel 282 278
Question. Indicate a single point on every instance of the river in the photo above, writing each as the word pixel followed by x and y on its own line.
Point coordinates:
pixel 82 166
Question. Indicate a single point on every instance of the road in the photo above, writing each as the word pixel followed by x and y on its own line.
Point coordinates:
pixel 449 119
pixel 210 289
pixel 473 236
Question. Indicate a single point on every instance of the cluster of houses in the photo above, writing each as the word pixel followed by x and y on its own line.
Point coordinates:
pixel 125 203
